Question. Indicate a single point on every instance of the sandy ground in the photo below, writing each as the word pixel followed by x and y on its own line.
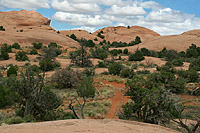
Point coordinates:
pixel 85 126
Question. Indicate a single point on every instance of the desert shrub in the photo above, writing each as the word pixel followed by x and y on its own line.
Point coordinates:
pixel 127 73
pixel 189 75
pixel 37 45
pixel 65 78
pixel 53 44
pixel 4 55
pixel 7 48
pixel 14 120
pixel 138 56
pixel 145 51
pixel 195 64
pixel 95 39
pixel 86 88
pixel 21 56
pixel 2 28
pixel 34 68
pixel 115 68
pixel 73 37
pixel 12 71
pixel 5 96
pixel 99 53
pixel 192 51
pixel 47 64
pixel 125 51
pixel 143 72
pixel 101 36
pixel 89 43
pixel 101 64
pixel 89 72
pixel 149 104
pixel 33 52
pixel 177 62
pixel 16 46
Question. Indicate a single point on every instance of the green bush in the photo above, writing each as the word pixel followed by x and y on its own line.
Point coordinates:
pixel 73 37
pixel 127 73
pixel 16 46
pixel 4 55
pixel 65 78
pixel 2 28
pixel 33 52
pixel 12 71
pixel 138 56
pixel 101 36
pixel 14 120
pixel 48 64
pixel 21 56
pixel 115 68
pixel 37 45
pixel 101 64
pixel 125 51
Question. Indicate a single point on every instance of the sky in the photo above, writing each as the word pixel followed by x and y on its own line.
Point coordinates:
pixel 167 17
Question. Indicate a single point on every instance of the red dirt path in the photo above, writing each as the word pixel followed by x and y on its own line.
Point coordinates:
pixel 116 100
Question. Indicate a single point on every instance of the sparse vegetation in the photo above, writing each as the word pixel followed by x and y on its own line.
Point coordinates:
pixel 21 56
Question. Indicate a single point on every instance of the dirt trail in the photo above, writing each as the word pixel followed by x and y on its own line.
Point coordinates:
pixel 116 100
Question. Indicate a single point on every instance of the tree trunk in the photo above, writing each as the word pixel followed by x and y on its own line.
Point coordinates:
pixel 82 108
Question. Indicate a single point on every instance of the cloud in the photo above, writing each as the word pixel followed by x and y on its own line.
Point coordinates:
pixel 93 14
pixel 89 29
pixel 81 19
pixel 25 4
pixel 129 10
pixel 74 7
pixel 150 5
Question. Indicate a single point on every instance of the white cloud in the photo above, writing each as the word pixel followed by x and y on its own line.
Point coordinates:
pixel 81 19
pixel 129 10
pixel 150 5
pixel 74 7
pixel 25 4
pixel 89 29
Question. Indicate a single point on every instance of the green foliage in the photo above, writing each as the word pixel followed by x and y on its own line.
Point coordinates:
pixel 52 51
pixel 16 46
pixel 65 78
pixel 125 51
pixel 2 28
pixel 47 64
pixel 127 73
pixel 151 104
pixel 89 43
pixel 7 48
pixel 189 75
pixel 137 56
pixel 14 120
pixel 195 64
pixel 53 44
pixel 73 37
pixel 99 53
pixel 145 51
pixel 177 62
pixel 21 56
pixel 88 72
pixel 115 68
pixel 37 45
pixel 6 96
pixel 86 88
pixel 101 64
pixel 80 57
pixel 12 71
pixel 100 35
pixel 4 55
pixel 95 39
pixel 33 52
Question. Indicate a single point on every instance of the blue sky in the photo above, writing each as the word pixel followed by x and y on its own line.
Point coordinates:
pixel 163 16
